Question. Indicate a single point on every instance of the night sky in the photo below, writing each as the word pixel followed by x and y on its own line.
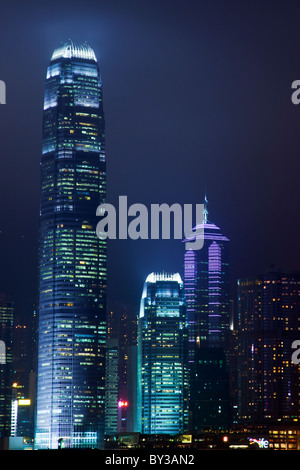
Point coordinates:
pixel 196 94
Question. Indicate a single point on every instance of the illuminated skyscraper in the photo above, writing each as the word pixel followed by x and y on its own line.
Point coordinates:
pixel 206 287
pixel 72 260
pixel 162 356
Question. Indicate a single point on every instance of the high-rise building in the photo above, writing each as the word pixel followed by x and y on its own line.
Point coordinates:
pixel 162 356
pixel 268 323
pixel 21 414
pixel 72 260
pixel 122 325
pixel 21 356
pixel 6 369
pixel 249 347
pixel 111 386
pixel 132 421
pixel 206 287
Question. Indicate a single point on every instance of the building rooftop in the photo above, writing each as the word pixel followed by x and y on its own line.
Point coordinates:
pixel 154 277
pixel 70 49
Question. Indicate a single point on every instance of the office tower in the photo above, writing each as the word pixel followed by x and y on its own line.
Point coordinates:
pixel 249 340
pixel 21 354
pixel 127 337
pixel 210 401
pixel 132 422
pixel 268 324
pixel 111 386
pixel 72 260
pixel 122 326
pixel 162 356
pixel 6 370
pixel 21 413
pixel 33 327
pixel 206 287
pixel 129 355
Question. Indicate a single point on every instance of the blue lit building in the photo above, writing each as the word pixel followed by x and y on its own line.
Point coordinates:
pixel 162 356
pixel 72 260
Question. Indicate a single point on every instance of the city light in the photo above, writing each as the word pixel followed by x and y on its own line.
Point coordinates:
pixel 122 404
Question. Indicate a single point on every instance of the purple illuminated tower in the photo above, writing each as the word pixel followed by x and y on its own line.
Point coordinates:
pixel 206 285
pixel 206 279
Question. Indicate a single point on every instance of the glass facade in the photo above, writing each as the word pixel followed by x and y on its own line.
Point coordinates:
pixel 162 356
pixel 72 267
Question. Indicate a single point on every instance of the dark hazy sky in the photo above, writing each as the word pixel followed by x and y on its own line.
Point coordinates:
pixel 196 93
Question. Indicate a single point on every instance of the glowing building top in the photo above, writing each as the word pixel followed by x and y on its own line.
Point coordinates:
pixel 70 50
pixel 155 277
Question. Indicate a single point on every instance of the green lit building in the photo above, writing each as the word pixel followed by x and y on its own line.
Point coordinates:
pixel 162 357
pixel 72 260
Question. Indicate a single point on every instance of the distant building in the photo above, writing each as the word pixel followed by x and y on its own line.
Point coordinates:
pixel 111 387
pixel 122 327
pixel 21 414
pixel 249 351
pixel 21 354
pixel 6 369
pixel 210 399
pixel 162 356
pixel 268 324
pixel 132 422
